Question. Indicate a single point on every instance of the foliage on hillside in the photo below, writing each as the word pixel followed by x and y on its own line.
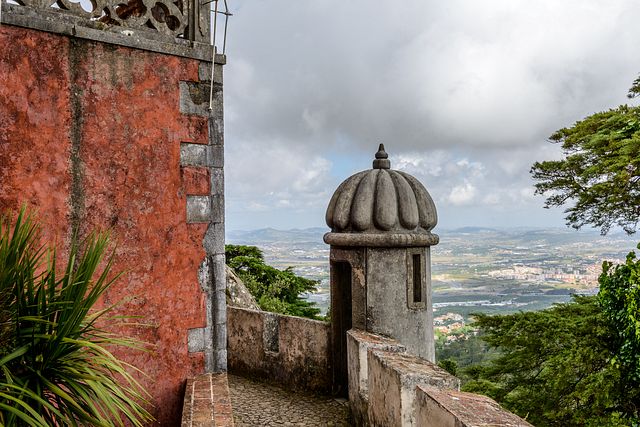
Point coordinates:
pixel 278 291
pixel 575 364
pixel 56 367
pixel 619 299
pixel 458 354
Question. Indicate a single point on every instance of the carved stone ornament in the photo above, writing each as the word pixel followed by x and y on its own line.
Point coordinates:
pixel 165 16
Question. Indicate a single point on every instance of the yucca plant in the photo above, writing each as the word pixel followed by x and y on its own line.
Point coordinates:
pixel 56 368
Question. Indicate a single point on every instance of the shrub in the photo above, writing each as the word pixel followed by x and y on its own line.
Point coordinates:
pixel 55 365
pixel 275 290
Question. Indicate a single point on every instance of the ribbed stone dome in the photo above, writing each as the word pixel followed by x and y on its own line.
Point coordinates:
pixel 381 207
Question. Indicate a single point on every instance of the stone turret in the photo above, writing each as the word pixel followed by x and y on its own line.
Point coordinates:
pixel 381 221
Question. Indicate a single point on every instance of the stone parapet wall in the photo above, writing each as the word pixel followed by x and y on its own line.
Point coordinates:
pixel 389 387
pixel 393 378
pixel 359 343
pixel 292 351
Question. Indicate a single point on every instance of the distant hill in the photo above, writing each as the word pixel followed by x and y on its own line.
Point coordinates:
pixel 271 235
pixel 474 230
pixel 503 236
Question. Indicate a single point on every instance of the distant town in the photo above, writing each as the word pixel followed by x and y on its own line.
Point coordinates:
pixel 474 270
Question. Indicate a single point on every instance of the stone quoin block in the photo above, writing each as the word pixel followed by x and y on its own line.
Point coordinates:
pixel 193 154
pixel 204 72
pixel 196 340
pixel 216 156
pixel 198 209
pixel 213 242
pixel 194 98
pixel 219 270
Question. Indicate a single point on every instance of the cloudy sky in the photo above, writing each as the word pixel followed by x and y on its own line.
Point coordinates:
pixel 462 93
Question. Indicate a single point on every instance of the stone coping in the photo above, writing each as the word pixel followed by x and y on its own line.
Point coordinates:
pixel 382 240
pixel 415 369
pixel 279 315
pixel 462 409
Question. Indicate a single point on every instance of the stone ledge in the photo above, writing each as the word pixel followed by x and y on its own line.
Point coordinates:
pixel 381 240
pixel 207 402
pixel 449 408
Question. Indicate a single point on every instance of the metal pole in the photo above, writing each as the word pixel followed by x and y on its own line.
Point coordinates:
pixel 213 62
pixel 226 21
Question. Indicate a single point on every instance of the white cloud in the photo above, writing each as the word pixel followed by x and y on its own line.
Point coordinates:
pixel 462 195
pixel 256 207
pixel 463 94
pixel 275 178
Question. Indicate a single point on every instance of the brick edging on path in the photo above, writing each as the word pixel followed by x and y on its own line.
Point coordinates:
pixel 207 402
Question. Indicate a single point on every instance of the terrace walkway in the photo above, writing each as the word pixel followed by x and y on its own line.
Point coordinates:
pixel 260 404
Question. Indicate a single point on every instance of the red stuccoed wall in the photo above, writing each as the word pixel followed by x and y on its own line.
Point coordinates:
pixel 90 134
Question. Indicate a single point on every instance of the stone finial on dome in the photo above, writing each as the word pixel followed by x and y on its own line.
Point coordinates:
pixel 381 207
pixel 381 161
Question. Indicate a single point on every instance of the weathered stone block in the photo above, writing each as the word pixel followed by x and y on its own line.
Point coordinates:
pixel 193 154
pixel 204 72
pixel 194 98
pixel 198 209
pixel 217 207
pixel 217 182
pixel 221 362
pixel 393 378
pixel 449 408
pixel 359 343
pixel 196 340
pixel 221 336
pixel 216 156
pixel 213 241
pixel 220 307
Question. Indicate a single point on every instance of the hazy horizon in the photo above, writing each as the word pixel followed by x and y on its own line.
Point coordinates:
pixel 614 232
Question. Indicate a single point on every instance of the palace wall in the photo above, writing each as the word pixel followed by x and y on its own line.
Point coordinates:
pixel 111 130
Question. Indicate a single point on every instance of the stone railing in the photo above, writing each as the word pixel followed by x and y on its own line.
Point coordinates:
pixel 292 351
pixel 182 18
pixel 179 27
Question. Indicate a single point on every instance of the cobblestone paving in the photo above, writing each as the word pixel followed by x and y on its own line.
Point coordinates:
pixel 260 404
